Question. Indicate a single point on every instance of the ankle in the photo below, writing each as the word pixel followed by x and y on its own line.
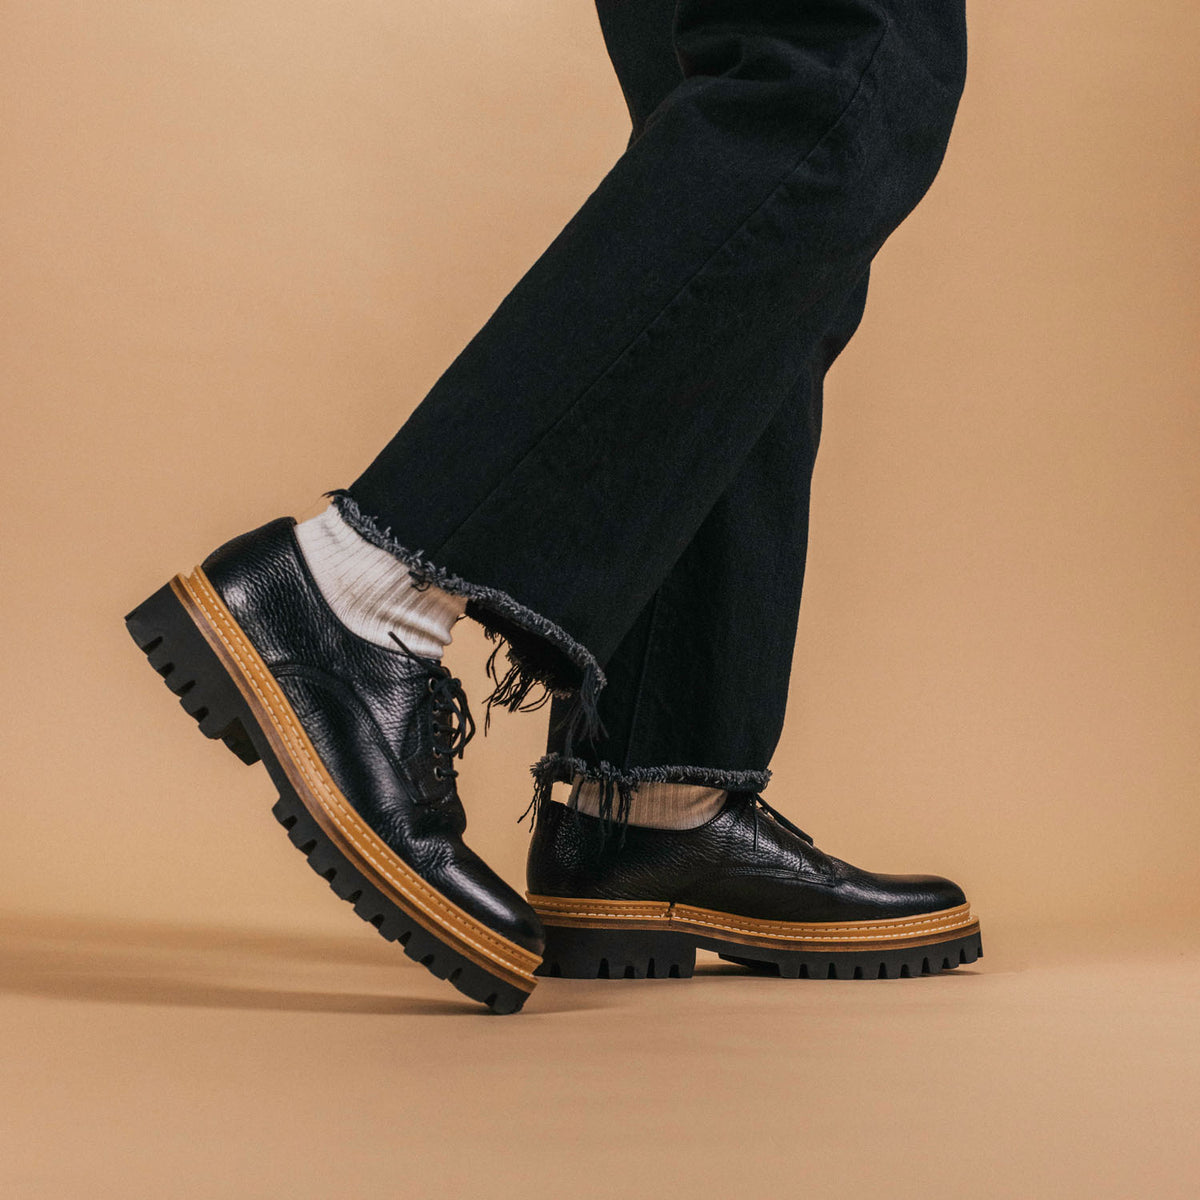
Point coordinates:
pixel 371 592
pixel 652 805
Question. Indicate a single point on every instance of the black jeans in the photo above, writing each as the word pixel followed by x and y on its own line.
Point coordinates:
pixel 615 470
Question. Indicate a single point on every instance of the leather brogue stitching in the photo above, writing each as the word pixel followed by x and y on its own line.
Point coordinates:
pixel 202 592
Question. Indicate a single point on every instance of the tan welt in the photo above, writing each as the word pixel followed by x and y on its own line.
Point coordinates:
pixel 592 912
pixel 325 801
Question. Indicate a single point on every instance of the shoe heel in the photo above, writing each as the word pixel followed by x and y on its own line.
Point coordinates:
pixel 616 954
pixel 174 646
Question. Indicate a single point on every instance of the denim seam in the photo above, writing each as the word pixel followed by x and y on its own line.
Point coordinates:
pixel 642 671
pixel 779 187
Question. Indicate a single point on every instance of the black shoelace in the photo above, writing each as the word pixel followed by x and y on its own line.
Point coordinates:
pixel 757 802
pixel 451 725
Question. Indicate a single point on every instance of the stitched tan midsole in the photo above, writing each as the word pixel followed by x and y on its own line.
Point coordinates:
pixel 925 929
pixel 323 799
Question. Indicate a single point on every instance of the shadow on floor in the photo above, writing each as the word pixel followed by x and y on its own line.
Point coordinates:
pixel 133 962
pixel 714 968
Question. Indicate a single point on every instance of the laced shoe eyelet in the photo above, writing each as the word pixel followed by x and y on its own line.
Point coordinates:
pixel 438 774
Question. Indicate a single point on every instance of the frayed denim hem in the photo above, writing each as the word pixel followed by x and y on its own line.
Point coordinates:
pixel 539 652
pixel 618 784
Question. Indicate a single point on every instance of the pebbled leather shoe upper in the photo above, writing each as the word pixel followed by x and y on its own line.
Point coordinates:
pixel 385 723
pixel 746 860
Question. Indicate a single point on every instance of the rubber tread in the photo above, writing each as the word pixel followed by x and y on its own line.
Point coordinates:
pixel 575 953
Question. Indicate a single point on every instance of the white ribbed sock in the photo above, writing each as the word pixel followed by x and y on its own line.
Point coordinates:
pixel 655 805
pixel 372 592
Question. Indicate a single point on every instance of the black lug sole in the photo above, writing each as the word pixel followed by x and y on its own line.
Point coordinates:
pixel 177 649
pixel 576 953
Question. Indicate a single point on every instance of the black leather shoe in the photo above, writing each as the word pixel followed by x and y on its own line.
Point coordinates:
pixel 747 884
pixel 359 741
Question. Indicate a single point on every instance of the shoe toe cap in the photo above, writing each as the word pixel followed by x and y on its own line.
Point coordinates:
pixel 518 922
pixel 475 887
pixel 912 895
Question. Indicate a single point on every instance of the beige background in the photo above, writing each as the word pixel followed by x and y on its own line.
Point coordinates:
pixel 240 241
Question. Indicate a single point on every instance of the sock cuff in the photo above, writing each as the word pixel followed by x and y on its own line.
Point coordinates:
pixel 619 785
pixel 652 804
pixel 371 591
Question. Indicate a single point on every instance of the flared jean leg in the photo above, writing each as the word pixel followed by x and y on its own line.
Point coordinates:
pixel 562 465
